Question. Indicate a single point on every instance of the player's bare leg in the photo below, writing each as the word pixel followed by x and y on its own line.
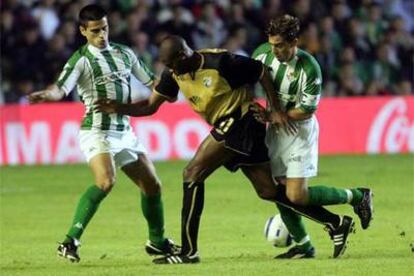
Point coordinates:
pixel 102 166
pixel 142 173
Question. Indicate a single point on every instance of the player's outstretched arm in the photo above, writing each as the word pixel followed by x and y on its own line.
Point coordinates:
pixel 51 94
pixel 138 109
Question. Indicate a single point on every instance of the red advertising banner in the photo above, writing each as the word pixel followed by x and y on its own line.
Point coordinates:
pixel 366 125
pixel 48 133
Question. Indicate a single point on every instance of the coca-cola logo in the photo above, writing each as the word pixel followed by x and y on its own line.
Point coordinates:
pixel 393 128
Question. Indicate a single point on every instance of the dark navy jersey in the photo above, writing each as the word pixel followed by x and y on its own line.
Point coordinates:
pixel 218 87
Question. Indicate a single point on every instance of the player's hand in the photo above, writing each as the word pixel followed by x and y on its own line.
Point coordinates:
pixel 105 106
pixel 260 113
pixel 278 119
pixel 281 119
pixel 38 97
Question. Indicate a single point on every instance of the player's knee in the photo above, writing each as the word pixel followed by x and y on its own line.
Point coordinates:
pixel 193 173
pixel 153 187
pixel 106 182
pixel 296 198
pixel 266 194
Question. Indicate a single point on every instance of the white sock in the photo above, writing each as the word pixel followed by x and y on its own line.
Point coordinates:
pixel 304 240
pixel 349 195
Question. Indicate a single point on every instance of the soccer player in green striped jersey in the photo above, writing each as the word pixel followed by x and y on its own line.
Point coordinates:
pixel 294 158
pixel 102 70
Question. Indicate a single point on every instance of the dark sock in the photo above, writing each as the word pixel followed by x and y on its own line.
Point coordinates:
pixel 87 206
pixel 193 203
pixel 322 195
pixel 313 212
pixel 152 209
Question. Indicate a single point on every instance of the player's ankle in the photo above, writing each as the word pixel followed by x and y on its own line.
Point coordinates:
pixel 357 196
pixel 305 246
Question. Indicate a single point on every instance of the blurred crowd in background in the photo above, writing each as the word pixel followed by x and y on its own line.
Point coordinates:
pixel 364 47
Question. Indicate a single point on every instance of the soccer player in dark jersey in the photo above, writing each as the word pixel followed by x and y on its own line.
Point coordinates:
pixel 216 84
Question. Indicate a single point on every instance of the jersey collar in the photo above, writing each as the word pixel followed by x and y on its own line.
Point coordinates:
pixel 96 50
pixel 292 61
pixel 201 62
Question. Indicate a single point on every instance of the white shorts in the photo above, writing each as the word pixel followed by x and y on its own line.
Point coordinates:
pixel 122 145
pixel 294 156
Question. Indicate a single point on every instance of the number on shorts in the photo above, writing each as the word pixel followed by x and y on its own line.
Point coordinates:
pixel 225 125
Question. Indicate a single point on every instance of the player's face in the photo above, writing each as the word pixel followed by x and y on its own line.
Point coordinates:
pixel 96 32
pixel 176 63
pixel 282 49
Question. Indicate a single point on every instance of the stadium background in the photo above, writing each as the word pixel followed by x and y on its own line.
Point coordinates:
pixel 365 49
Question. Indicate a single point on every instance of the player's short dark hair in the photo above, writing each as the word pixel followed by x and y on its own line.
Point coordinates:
pixel 286 26
pixel 91 12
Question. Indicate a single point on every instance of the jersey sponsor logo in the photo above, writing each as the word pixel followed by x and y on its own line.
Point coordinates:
pixel 207 81
pixel 112 77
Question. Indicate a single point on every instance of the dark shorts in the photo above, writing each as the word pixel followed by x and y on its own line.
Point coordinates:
pixel 245 136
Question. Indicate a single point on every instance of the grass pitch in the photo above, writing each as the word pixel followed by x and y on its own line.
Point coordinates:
pixel 37 204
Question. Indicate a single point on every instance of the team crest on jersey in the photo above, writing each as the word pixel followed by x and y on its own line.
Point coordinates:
pixel 292 75
pixel 195 100
pixel 207 81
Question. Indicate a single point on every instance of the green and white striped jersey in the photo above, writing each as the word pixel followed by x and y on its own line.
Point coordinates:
pixel 103 74
pixel 297 82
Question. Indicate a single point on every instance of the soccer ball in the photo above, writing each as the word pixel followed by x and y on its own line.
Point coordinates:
pixel 276 233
